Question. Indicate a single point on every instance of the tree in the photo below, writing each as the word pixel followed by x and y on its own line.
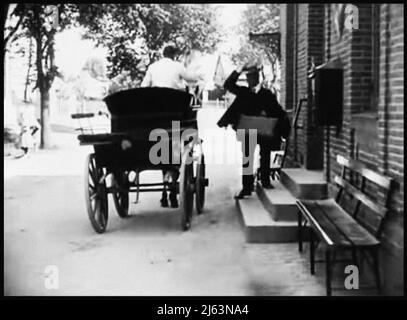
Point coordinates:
pixel 257 19
pixel 135 33
pixel 41 23
pixel 261 18
pixel 28 78
pixel 10 28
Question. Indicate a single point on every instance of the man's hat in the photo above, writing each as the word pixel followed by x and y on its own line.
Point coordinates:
pixel 255 68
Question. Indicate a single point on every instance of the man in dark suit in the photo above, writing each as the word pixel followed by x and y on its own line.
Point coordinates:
pixel 254 100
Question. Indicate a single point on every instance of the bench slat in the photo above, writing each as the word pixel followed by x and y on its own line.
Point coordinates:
pixel 334 225
pixel 322 224
pixel 348 226
pixel 350 189
pixel 360 168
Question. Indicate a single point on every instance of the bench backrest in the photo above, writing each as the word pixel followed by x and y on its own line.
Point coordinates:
pixel 378 211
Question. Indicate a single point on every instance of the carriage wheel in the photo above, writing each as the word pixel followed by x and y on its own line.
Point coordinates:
pixel 96 195
pixel 121 198
pixel 187 194
pixel 200 184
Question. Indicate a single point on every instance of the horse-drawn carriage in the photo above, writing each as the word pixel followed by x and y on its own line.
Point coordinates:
pixel 138 117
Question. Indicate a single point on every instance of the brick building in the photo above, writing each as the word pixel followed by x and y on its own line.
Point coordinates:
pixel 370 52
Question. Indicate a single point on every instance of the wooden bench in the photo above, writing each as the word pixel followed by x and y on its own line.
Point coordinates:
pixel 332 225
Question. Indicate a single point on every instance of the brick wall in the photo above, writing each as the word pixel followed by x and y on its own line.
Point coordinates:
pixel 300 76
pixel 391 114
pixel 391 102
pixel 338 48
pixel 354 49
pixel 287 50
pixel 302 44
pixel 315 55
pixel 316 37
pixel 288 82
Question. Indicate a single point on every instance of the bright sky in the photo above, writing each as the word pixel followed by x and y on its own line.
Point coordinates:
pixel 230 13
pixel 72 51
pixel 229 17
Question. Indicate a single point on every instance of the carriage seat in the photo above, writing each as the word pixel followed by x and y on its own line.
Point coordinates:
pixel 151 106
pixel 148 100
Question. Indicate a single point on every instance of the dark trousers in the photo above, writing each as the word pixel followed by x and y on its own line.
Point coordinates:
pixel 248 149
pixel 172 184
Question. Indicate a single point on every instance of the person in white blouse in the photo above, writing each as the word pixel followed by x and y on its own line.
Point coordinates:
pixel 169 73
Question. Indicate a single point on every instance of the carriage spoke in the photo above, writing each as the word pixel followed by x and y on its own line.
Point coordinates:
pixel 94 172
pixel 93 204
pixel 102 216
pixel 96 196
pixel 93 196
pixel 96 211
pixel 91 185
pixel 94 176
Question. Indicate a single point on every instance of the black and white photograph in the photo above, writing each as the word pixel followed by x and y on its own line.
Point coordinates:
pixel 203 150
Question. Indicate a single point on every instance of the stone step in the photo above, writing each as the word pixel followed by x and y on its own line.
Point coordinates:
pixel 279 202
pixel 258 225
pixel 305 184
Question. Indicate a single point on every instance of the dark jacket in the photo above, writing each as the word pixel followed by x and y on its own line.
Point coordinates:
pixel 253 104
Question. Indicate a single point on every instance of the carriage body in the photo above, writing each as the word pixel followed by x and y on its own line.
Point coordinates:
pixel 134 115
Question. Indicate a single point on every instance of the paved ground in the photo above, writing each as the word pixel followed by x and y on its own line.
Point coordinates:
pixel 146 254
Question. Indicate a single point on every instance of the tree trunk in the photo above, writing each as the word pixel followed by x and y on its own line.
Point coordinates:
pixel 45 120
pixel 44 98
pixel 27 79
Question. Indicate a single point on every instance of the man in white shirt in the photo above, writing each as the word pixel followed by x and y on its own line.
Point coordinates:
pixel 169 73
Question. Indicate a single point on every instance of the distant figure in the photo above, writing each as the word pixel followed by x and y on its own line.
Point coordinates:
pixel 169 73
pixel 254 101
pixel 29 130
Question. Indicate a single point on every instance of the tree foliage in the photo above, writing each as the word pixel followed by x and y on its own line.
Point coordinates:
pixel 261 18
pixel 257 18
pixel 38 22
pixel 135 33
pixel 41 22
pixel 132 33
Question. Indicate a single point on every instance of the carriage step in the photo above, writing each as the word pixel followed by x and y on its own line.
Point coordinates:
pixel 279 202
pixel 258 225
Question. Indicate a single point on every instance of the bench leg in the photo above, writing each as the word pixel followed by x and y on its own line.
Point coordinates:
pixel 375 257
pixel 328 272
pixel 299 231
pixel 312 251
